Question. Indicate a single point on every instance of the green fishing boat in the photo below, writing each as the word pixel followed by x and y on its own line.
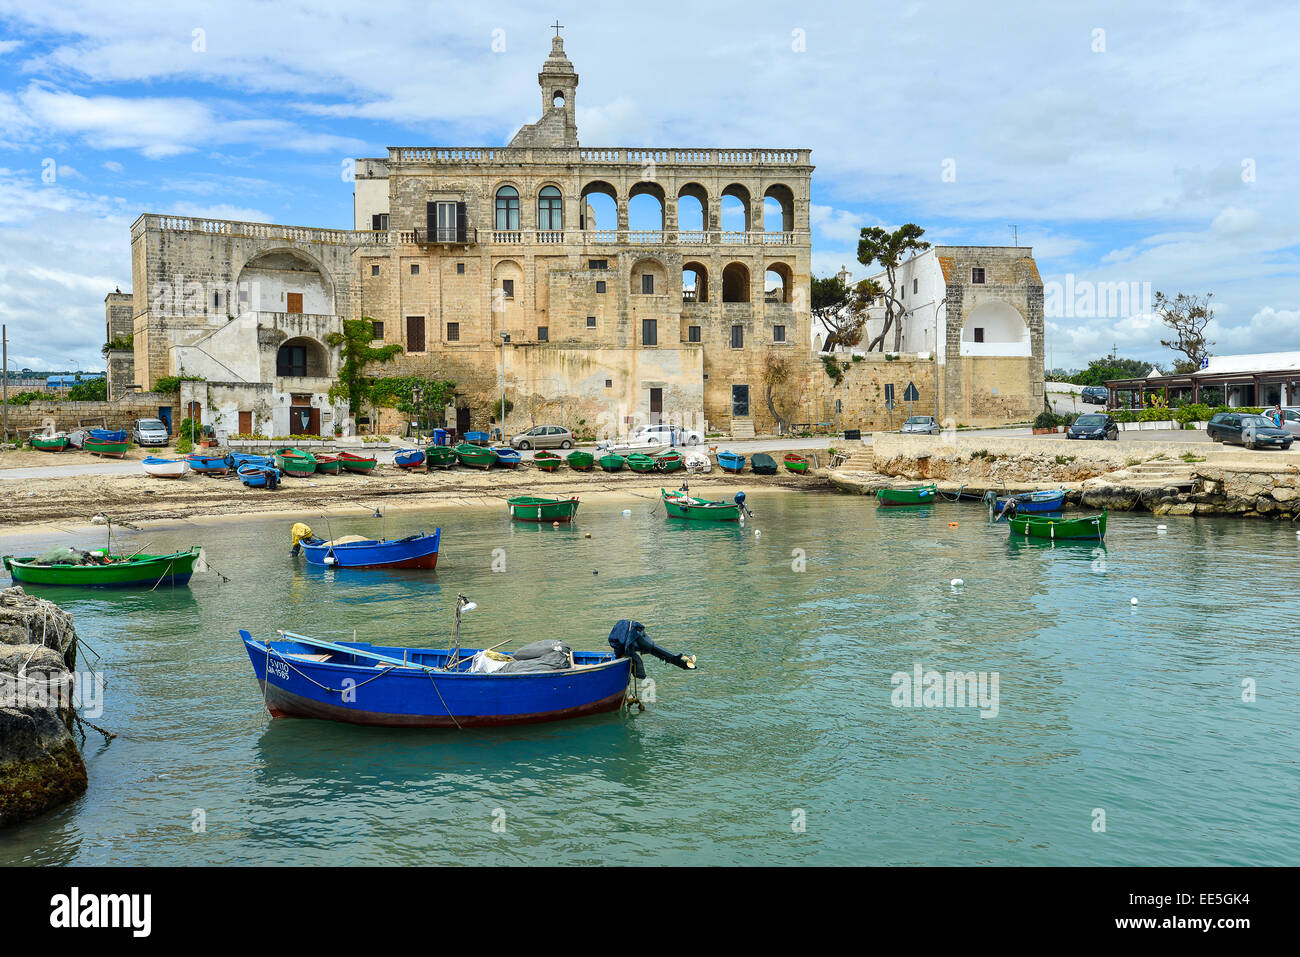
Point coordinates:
pixel 50 443
pixel 669 461
pixel 532 508
pixel 475 456
pixel 912 495
pixel 295 462
pixel 1043 526
pixel 547 461
pixel 638 462
pixel 328 464
pixel 611 462
pixel 99 569
pixel 581 461
pixel 440 457
pixel 113 450
pixel 361 464
pixel 794 462
pixel 683 505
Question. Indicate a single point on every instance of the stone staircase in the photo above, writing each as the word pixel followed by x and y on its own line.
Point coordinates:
pixel 742 429
pixel 1159 474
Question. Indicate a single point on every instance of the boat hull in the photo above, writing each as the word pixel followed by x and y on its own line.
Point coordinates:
pixel 475 456
pixel 416 551
pixel 581 461
pixel 416 698
pixel 799 465
pixel 611 462
pixel 175 569
pixel 699 509
pixel 356 463
pixel 895 497
pixel 1091 528
pixel 546 462
pixel 542 510
pixel 165 468
pixel 50 445
pixel 108 449
pixel 295 463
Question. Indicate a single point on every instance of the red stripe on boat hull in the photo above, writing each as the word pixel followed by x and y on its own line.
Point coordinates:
pixel 284 704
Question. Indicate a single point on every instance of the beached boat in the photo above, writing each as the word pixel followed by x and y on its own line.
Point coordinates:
pixel 409 458
pixel 99 569
pixel 682 504
pixel 361 464
pixel 1031 503
pixel 259 476
pixel 1041 526
pixel 475 456
pixel 477 438
pixel 353 551
pixel 611 462
pixel 580 461
pixel 507 457
pixel 547 461
pixel 202 464
pixel 762 464
pixel 50 443
pixel 533 508
pixel 731 462
pixel 439 457
pixel 109 448
pixel 639 462
pixel 165 468
pixel 295 462
pixel 236 459
pixel 107 435
pixel 698 463
pixel 327 464
pixel 669 461
pixel 911 495
pixel 794 462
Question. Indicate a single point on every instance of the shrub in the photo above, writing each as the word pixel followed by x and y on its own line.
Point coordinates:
pixel 1046 420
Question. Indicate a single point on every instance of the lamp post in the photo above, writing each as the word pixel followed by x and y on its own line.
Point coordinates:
pixel 505 337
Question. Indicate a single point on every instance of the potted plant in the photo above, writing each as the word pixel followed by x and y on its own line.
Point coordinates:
pixel 1045 423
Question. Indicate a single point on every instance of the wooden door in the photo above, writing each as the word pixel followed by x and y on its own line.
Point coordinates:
pixel 656 406
pixel 415 333
pixel 462 420
pixel 246 423
pixel 293 302
pixel 313 421
pixel 194 411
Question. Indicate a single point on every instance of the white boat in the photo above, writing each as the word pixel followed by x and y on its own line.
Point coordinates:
pixel 647 446
pixel 698 462
pixel 165 468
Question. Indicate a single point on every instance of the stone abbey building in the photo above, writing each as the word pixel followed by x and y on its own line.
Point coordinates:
pixel 490 261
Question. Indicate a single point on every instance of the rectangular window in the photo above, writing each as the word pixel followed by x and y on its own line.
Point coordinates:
pixel 291 361
pixel 778 333
pixel 415 269
pixel 916 284
pixel 453 332
pixel 647 284
pixel 977 275
pixel 737 337
pixel 376 330
pixel 609 383
pixel 379 222
pixel 508 288
pixel 415 333
pixel 460 269
pixel 600 285
pixel 374 269
pixel 979 334
pixel 649 332
pixel 692 333
pixel 445 230
pixel 591 322
pixel 543 333
pixel 293 302
pixel 598 263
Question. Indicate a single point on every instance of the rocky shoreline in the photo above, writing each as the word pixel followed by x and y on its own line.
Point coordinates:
pixel 40 763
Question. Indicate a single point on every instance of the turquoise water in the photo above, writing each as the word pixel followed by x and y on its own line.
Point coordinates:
pixel 1134 710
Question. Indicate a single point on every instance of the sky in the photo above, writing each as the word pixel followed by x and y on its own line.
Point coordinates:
pixel 1151 145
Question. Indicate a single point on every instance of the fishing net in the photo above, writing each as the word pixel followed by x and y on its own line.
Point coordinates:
pixel 65 555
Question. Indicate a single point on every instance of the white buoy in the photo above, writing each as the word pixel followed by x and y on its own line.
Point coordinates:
pixel 758 532
pixel 627 512
pixel 1132 601
pixel 958 582
pixel 1161 529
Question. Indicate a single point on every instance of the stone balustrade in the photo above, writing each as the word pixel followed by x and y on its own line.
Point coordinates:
pixel 597 156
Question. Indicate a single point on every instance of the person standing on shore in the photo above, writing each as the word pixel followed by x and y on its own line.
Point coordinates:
pixel 1277 415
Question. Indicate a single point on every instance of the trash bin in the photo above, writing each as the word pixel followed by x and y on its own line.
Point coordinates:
pixel 439 436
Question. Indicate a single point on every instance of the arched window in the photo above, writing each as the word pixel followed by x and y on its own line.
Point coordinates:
pixel 550 214
pixel 507 208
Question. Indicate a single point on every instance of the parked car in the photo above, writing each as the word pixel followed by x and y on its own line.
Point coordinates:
pixel 1095 395
pixel 1290 419
pixel 543 437
pixel 150 432
pixel 921 423
pixel 1248 429
pixel 667 434
pixel 1094 425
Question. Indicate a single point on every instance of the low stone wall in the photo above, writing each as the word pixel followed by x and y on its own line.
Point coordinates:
pixel 40 764
pixel 66 416
pixel 1237 491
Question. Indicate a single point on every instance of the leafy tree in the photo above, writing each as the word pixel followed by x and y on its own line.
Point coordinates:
pixel 878 245
pixel 397 392
pixel 776 370
pixel 91 390
pixel 1187 315
pixel 832 306
pixel 354 341
pixel 1111 367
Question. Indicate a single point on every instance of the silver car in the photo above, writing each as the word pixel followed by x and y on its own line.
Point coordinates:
pixel 543 437
pixel 1290 418
pixel 921 423
pixel 150 432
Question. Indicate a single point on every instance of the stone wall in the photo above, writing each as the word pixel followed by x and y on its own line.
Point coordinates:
pixel 65 416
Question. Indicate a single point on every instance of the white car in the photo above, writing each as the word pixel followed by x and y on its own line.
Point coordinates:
pixel 667 434
pixel 921 423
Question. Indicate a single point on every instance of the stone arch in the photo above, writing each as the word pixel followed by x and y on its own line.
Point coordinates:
pixel 699 284
pixel 735 282
pixel 302 357
pixel 603 215
pixel 778 208
pixel 697 193
pixel 648 265
pixel 278 266
pixel 635 210
pixel 783 276
pixel 738 193
pixel 995 327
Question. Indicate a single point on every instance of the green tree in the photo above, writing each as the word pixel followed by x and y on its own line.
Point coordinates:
pixel 776 370
pixel 878 245
pixel 398 392
pixel 831 302
pixel 354 342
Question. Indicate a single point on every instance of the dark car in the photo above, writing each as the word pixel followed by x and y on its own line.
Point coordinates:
pixel 1095 395
pixel 1248 429
pixel 1094 425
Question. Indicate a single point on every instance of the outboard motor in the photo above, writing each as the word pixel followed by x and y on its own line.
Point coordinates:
pixel 629 640
pixel 739 499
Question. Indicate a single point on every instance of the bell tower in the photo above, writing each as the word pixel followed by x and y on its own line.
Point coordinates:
pixel 558 125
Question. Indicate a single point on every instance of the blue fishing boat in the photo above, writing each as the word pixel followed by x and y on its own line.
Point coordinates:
pixel 259 476
pixel 458 687
pixel 1030 503
pixel 506 457
pixel 108 435
pixel 408 458
pixel 731 462
pixel 476 438
pixel 235 459
pixel 207 464
pixel 352 551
